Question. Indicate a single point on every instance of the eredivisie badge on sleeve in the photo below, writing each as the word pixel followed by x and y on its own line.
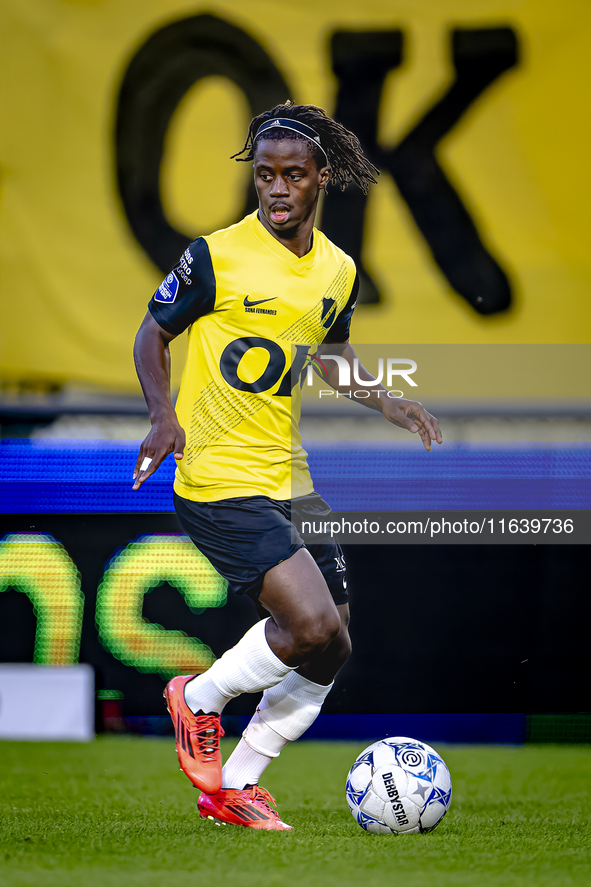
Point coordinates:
pixel 168 289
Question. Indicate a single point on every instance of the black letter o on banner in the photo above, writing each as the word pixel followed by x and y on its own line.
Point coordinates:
pixel 235 351
pixel 158 76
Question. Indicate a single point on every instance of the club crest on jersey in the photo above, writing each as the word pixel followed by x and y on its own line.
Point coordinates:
pixel 329 310
pixel 168 289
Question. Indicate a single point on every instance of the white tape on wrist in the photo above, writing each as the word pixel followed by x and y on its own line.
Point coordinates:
pixel 145 463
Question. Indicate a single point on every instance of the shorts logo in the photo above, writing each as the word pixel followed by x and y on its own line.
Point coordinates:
pixel 168 289
pixel 341 565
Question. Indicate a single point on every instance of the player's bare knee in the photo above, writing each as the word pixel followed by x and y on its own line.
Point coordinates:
pixel 340 649
pixel 317 633
pixel 330 627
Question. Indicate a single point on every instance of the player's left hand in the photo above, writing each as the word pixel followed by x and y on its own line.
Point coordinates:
pixel 412 415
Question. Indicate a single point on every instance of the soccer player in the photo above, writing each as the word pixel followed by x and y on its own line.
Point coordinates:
pixel 259 298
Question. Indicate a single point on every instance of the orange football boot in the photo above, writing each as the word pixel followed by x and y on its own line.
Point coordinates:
pixel 250 807
pixel 197 738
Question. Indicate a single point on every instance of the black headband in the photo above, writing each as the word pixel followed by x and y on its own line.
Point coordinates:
pixel 286 123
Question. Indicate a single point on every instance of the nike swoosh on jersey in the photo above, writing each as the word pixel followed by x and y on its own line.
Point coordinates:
pixel 248 304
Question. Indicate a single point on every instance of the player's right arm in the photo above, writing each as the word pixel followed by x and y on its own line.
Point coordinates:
pixel 152 362
pixel 185 295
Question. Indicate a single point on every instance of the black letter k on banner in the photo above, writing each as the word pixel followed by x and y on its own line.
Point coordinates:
pixel 361 61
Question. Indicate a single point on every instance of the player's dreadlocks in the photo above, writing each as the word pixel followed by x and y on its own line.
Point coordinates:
pixel 341 147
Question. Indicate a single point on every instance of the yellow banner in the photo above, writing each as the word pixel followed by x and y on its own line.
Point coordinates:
pixel 118 121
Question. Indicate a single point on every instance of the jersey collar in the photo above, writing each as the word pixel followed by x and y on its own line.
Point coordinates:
pixel 299 264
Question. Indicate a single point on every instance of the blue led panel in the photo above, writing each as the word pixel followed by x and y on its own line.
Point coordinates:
pixel 77 476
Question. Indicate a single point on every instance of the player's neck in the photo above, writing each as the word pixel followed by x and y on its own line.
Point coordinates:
pixel 297 239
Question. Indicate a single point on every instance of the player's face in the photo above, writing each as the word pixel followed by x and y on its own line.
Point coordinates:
pixel 288 182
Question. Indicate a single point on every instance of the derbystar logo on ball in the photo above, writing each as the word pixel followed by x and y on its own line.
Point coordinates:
pixel 168 289
pixel 398 786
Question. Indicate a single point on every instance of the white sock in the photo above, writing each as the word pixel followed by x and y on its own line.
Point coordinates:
pixel 244 766
pixel 248 667
pixel 288 709
pixel 284 713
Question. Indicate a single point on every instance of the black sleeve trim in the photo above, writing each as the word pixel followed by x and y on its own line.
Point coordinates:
pixel 339 331
pixel 187 293
pixel 161 322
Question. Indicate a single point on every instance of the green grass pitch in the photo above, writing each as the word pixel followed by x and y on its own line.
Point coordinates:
pixel 118 813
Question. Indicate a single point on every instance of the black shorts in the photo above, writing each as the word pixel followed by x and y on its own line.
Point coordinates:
pixel 248 535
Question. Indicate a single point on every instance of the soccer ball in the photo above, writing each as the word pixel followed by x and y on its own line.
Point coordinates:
pixel 398 786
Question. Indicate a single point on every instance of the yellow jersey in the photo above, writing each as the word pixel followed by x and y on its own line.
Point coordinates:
pixel 254 311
